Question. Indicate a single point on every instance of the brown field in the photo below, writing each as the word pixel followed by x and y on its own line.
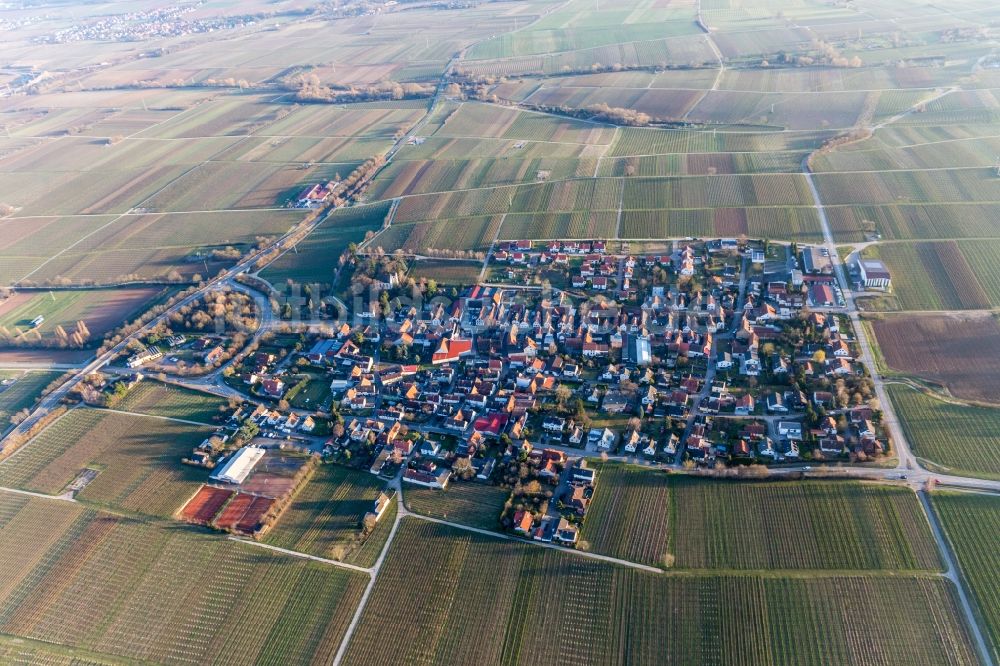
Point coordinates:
pixel 16 356
pixel 205 504
pixel 250 521
pixel 100 310
pixel 961 352
pixel 271 485
pixel 234 185
pixel 243 513
pixel 730 221
pixel 446 272
pixel 234 511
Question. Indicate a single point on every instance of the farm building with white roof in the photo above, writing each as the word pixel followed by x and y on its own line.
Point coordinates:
pixel 874 274
pixel 238 468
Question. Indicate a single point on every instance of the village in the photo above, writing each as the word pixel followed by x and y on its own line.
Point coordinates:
pixel 614 332
pixel 707 355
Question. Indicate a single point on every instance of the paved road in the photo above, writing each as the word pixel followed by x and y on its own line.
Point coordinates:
pixel 914 473
pixel 952 573
pixel 700 21
pixel 247 265
pixel 28 493
pixel 902 447
pixel 710 370
pixel 540 544
pixel 52 400
pixel 359 611
pixel 306 556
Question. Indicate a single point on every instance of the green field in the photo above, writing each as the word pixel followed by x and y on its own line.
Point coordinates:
pixel 762 205
pixel 315 258
pixel 943 275
pixel 469 503
pixel 970 522
pixel 137 459
pixel 549 606
pixel 158 399
pixel 552 226
pixel 898 187
pixel 653 141
pixel 314 394
pixel 107 249
pixel 472 120
pixel 915 221
pixel 539 41
pixel 795 223
pixel 446 272
pixel 689 523
pixel 99 310
pixel 953 438
pixel 792 109
pixel 132 591
pixel 422 176
pixel 110 192
pixel 324 518
pixel 466 233
pixel 22 393
pixel 703 163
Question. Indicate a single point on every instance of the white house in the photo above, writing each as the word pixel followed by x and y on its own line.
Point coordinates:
pixel 790 429
pixel 604 438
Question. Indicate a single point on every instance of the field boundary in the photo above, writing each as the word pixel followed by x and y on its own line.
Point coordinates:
pixel 955 575
pixel 150 416
pixel 120 216
pixel 296 553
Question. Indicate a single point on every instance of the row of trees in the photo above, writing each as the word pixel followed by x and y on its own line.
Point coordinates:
pixel 32 337
pixel 16 440
pixel 618 115
pixel 309 88
pixel 605 113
